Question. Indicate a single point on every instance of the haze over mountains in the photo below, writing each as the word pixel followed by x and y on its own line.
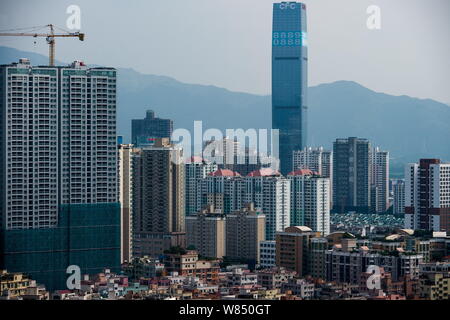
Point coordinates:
pixel 409 128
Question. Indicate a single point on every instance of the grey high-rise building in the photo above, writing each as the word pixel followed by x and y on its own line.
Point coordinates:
pixel 351 175
pixel 145 131
pixel 289 79
pixel 158 199
pixel 427 195
pixel 379 180
pixel 399 196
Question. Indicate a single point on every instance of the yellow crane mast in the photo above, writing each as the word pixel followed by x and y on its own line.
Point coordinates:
pixel 50 37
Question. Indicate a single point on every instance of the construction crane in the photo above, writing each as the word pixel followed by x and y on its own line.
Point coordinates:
pixel 50 37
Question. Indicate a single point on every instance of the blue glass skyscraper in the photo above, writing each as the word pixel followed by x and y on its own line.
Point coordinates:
pixel 289 79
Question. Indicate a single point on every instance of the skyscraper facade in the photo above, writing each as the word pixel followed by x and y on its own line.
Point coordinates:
pixel 427 195
pixel 59 196
pixel 351 175
pixel 145 131
pixel 158 199
pixel 289 79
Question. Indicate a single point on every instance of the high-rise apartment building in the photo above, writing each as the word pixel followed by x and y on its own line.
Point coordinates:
pixel 206 232
pixel 399 196
pixel 289 79
pixel 245 229
pixel 310 200
pixel 427 195
pixel 125 177
pixel 196 169
pixel 351 175
pixel 222 188
pixel 315 159
pixel 223 152
pixel 145 131
pixel 270 192
pixel 380 180
pixel 158 199
pixel 59 191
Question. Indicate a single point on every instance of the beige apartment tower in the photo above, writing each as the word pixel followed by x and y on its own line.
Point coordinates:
pixel 206 232
pixel 245 229
pixel 125 171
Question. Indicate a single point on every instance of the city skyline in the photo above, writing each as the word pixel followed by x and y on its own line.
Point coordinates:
pixel 87 215
pixel 247 25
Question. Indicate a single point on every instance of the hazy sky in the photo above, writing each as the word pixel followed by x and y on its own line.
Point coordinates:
pixel 227 43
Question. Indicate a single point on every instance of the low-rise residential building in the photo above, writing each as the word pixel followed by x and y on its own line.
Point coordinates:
pixel 347 265
pixel 144 267
pixel 16 285
pixel 434 282
pixel 187 263
pixel 299 287
pixel 274 278
pixel 240 277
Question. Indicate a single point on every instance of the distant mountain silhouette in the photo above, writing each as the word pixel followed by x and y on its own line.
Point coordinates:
pixel 409 128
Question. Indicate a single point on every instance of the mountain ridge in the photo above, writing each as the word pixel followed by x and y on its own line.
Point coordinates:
pixel 408 127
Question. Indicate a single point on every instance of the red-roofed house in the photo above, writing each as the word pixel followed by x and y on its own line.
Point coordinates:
pixel 224 173
pixel 264 172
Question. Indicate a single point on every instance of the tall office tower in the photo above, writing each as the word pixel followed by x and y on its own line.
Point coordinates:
pixel 158 199
pixel 245 229
pixel 399 196
pixel 351 175
pixel 289 79
pixel 145 131
pixel 379 180
pixel 317 160
pixel 292 249
pixel 59 203
pixel 310 202
pixel 196 169
pixel 222 188
pixel 427 195
pixel 270 192
pixel 125 177
pixel 206 232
